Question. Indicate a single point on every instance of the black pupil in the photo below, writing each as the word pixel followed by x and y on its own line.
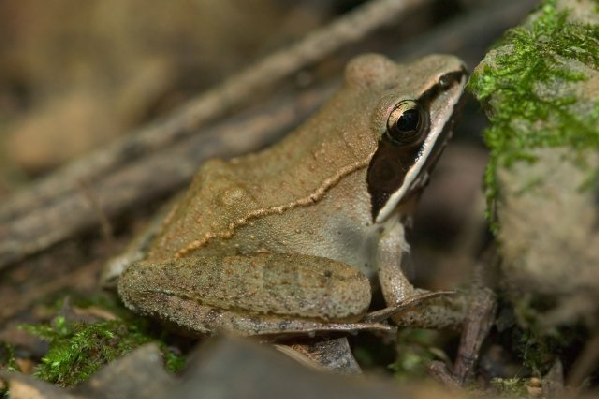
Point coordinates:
pixel 408 121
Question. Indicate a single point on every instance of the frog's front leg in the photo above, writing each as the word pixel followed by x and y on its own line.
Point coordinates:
pixel 251 294
pixel 424 309
pixel 473 310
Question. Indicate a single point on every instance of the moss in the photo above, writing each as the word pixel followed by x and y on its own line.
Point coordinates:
pixel 509 387
pixel 528 59
pixel 536 344
pixel 415 350
pixel 77 349
pixel 7 357
pixel 537 351
pixel 7 362
pixel 173 361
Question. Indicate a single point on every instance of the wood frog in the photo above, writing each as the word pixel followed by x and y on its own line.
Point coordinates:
pixel 294 238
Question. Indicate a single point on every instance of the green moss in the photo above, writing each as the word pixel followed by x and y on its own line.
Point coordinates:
pixel 529 59
pixel 537 351
pixel 536 344
pixel 415 350
pixel 77 349
pixel 173 361
pixel 7 362
pixel 509 387
pixel 7 356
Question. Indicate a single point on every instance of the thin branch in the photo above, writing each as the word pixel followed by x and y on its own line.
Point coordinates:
pixel 147 178
pixel 235 91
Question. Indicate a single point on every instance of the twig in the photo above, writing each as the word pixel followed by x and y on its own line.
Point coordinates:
pixel 214 103
pixel 468 36
pixel 150 177
pixel 20 303
pixel 107 232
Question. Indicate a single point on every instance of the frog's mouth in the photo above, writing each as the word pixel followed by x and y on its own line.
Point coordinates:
pixel 411 166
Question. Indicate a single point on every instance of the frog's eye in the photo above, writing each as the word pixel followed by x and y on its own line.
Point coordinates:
pixel 407 123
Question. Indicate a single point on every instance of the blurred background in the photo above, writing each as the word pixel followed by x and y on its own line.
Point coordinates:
pixel 75 76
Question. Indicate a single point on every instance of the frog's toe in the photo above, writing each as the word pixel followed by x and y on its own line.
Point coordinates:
pixel 425 309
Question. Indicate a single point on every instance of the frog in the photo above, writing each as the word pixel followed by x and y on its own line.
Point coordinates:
pixel 296 238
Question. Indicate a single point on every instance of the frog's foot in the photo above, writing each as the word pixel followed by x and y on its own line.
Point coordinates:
pixel 474 311
pixel 480 316
pixel 478 321
pixel 423 309
pixel 440 372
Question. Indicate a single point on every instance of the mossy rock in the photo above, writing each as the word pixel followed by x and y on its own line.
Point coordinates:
pixel 540 89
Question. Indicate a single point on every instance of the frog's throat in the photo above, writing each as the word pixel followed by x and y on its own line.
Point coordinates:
pixel 309 200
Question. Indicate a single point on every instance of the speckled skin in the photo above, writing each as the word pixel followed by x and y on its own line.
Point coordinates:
pixel 284 240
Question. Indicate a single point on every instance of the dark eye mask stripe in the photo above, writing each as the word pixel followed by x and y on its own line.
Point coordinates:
pixel 432 92
pixel 391 163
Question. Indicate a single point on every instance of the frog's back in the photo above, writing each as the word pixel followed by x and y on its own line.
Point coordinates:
pixel 227 195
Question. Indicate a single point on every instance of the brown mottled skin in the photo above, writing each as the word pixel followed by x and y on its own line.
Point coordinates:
pixel 284 240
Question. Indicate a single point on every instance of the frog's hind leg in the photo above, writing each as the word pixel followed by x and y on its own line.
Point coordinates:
pixel 139 246
pixel 265 294
pixel 189 318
